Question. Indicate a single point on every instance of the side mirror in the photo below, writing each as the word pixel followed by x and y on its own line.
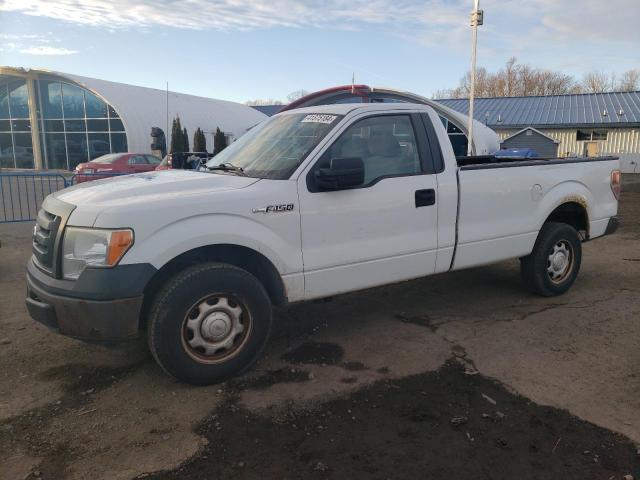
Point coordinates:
pixel 342 173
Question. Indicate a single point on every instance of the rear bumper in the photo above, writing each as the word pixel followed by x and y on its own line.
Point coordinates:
pixel 612 226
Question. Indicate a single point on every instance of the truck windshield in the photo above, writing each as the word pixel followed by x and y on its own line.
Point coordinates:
pixel 276 147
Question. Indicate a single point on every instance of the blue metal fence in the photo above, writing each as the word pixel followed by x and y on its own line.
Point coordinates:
pixel 22 193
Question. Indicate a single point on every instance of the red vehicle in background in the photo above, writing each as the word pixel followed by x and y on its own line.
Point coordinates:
pixel 115 164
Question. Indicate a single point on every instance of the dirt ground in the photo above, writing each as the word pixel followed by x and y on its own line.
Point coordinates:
pixel 461 375
pixel 420 426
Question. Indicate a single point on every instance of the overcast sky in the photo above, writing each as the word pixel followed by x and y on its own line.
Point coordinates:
pixel 247 49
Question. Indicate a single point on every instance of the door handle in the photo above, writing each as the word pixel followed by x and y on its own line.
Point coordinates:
pixel 425 197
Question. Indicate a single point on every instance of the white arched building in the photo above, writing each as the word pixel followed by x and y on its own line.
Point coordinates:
pixel 52 120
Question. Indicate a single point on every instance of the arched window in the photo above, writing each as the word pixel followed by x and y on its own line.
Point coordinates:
pixel 16 148
pixel 77 125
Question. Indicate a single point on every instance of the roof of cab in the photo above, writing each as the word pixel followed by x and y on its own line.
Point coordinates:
pixel 345 108
pixel 485 140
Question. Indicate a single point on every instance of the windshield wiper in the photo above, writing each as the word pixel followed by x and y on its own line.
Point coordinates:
pixel 227 167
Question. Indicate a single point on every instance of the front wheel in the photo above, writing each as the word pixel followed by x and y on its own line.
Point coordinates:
pixel 554 263
pixel 208 323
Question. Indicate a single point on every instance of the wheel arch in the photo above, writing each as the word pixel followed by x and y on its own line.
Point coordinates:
pixel 567 202
pixel 240 256
pixel 572 211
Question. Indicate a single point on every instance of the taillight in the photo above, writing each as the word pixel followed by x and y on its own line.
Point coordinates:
pixel 616 183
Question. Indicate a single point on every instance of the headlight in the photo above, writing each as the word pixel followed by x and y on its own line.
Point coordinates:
pixel 92 247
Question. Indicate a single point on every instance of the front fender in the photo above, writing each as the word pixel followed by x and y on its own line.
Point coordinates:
pixel 171 240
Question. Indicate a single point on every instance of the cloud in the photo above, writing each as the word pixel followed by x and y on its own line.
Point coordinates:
pixel 16 36
pixel 512 27
pixel 46 50
pixel 613 21
pixel 565 21
pixel 241 14
pixel 33 44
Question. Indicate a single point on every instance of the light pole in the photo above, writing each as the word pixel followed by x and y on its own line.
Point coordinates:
pixel 476 20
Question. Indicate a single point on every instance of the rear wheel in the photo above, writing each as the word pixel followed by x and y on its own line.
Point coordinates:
pixel 208 323
pixel 554 263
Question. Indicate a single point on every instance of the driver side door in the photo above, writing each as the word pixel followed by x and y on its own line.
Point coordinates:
pixel 381 231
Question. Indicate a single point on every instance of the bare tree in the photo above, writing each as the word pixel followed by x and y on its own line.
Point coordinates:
pixel 266 101
pixel 630 81
pixel 293 96
pixel 600 82
pixel 597 82
pixel 510 77
pixel 546 82
pixel 514 80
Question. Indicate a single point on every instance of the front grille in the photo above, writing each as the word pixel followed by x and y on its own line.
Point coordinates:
pixel 44 238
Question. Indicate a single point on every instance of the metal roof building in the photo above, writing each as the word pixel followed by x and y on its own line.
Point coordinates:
pixel 582 110
pixel 584 124
pixel 268 110
pixel 57 120
pixel 534 139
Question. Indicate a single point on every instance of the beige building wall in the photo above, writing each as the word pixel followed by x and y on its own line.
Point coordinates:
pixel 619 140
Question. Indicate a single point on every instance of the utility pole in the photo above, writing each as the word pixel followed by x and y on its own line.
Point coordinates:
pixel 168 133
pixel 476 20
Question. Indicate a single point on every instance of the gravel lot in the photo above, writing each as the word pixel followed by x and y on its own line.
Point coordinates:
pixel 461 375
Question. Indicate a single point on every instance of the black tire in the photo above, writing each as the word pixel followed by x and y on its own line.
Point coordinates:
pixel 202 307
pixel 539 273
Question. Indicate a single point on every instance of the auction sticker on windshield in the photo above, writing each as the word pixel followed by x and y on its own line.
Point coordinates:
pixel 319 118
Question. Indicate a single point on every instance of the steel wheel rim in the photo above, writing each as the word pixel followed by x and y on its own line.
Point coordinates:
pixel 560 261
pixel 215 328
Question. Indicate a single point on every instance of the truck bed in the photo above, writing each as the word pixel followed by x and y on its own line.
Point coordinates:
pixel 502 207
pixel 481 162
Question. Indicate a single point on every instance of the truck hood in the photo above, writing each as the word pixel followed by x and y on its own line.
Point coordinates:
pixel 144 187
pixel 90 198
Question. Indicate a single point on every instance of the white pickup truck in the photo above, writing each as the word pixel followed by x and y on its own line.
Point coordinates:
pixel 311 203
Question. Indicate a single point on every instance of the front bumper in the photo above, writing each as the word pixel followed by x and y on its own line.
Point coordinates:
pixel 94 314
pixel 90 320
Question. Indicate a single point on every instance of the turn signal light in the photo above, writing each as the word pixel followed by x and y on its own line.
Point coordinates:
pixel 119 243
pixel 616 183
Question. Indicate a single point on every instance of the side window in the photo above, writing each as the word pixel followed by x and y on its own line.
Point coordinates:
pixel 386 144
pixel 137 160
pixel 153 160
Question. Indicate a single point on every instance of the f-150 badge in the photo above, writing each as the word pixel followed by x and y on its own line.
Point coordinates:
pixel 285 207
